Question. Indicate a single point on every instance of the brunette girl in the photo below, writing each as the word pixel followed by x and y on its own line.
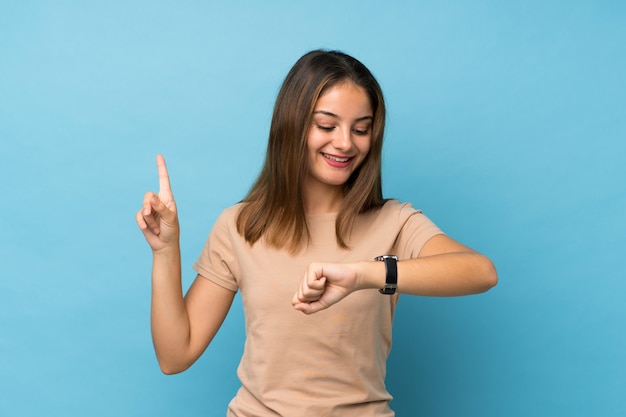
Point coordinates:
pixel 314 235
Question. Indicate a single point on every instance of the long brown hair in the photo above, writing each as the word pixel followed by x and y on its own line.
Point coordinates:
pixel 274 207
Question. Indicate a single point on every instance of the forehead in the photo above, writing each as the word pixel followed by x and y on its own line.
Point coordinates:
pixel 347 98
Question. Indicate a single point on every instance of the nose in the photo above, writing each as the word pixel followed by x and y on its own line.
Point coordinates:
pixel 343 139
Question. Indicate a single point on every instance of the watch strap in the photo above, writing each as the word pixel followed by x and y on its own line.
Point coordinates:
pixel 391 274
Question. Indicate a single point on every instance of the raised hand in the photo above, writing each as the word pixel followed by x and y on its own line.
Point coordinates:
pixel 158 219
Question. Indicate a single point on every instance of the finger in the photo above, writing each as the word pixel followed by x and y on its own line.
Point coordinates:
pixel 141 222
pixel 147 231
pixel 298 296
pixel 317 283
pixel 146 209
pixel 149 213
pixel 164 178
pixel 162 210
pixel 309 308
pixel 314 279
pixel 309 292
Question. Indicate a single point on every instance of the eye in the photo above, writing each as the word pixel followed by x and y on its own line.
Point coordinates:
pixel 325 128
pixel 361 132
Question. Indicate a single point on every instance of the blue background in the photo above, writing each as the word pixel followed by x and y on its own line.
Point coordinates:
pixel 507 125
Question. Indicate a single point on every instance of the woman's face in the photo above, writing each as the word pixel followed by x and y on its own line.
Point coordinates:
pixel 339 137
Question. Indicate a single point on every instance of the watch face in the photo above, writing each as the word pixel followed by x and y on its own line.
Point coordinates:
pixel 383 257
pixel 388 290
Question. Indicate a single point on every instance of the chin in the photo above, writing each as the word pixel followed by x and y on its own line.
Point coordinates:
pixel 336 181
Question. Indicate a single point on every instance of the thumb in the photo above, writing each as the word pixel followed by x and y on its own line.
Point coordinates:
pixel 309 308
pixel 162 210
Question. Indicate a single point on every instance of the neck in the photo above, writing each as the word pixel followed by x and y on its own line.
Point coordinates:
pixel 320 200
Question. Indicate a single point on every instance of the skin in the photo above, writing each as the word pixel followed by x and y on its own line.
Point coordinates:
pixel 341 128
pixel 182 327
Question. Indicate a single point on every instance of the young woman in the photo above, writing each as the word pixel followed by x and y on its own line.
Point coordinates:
pixel 309 238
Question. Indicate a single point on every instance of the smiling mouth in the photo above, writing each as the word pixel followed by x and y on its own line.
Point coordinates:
pixel 336 158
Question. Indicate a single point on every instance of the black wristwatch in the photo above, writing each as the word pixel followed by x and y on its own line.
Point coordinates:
pixel 391 280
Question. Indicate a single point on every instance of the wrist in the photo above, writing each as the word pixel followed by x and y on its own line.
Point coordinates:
pixel 167 251
pixel 371 275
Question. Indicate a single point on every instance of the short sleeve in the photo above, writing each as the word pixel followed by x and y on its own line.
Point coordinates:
pixel 217 262
pixel 415 230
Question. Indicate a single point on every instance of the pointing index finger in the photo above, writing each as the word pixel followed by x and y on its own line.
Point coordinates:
pixel 164 178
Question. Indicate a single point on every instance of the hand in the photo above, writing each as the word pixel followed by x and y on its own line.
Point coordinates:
pixel 323 285
pixel 158 219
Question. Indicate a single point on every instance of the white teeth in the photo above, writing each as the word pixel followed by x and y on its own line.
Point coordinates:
pixel 334 158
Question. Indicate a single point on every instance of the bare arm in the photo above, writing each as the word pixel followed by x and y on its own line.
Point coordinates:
pixel 182 328
pixel 444 268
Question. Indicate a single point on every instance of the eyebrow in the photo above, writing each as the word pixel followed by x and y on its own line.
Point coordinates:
pixel 327 113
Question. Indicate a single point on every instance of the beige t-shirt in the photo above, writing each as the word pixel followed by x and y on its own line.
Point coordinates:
pixel 331 363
